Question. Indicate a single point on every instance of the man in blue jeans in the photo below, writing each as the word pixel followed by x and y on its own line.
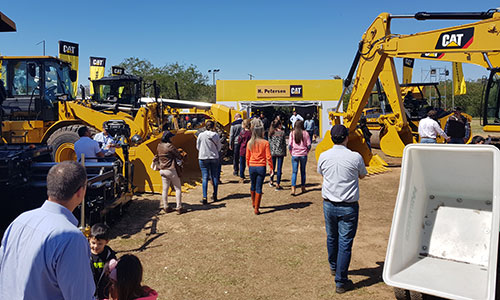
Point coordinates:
pixel 341 169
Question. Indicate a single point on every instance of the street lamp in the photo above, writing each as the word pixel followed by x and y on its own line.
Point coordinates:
pixel 251 76
pixel 213 71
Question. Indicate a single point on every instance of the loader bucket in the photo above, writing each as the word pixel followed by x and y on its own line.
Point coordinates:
pixel 374 163
pixel 141 156
pixel 392 142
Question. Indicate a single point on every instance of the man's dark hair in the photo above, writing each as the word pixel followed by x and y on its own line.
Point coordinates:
pixel 477 139
pixel 100 231
pixel 82 131
pixel 210 125
pixel 65 179
pixel 432 114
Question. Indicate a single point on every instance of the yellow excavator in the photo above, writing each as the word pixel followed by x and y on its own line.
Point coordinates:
pixel 475 43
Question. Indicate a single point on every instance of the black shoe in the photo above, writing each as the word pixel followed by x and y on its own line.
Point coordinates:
pixel 214 198
pixel 347 286
pixel 204 201
pixel 235 173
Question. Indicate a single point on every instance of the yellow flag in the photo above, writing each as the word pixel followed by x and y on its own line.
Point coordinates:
pixel 97 66
pixel 407 69
pixel 69 52
pixel 458 79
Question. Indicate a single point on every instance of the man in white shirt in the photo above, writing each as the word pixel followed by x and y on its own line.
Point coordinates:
pixel 341 169
pixel 429 129
pixel 87 146
pixel 105 141
pixel 295 116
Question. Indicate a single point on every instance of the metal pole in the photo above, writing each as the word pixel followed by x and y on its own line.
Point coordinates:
pixel 82 210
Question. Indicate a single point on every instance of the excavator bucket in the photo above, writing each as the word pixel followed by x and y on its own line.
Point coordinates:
pixel 141 156
pixel 392 142
pixel 374 163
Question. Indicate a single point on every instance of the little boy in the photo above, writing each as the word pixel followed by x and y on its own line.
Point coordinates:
pixel 100 255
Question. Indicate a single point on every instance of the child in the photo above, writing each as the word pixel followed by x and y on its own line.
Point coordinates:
pixel 101 254
pixel 126 278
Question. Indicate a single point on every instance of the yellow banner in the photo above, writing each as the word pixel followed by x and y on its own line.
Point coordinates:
pixel 69 52
pixel 458 79
pixel 97 66
pixel 407 69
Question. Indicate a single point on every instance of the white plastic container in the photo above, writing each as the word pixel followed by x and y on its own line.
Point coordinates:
pixel 444 234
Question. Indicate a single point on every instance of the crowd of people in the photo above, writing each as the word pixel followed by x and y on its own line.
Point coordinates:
pixel 44 255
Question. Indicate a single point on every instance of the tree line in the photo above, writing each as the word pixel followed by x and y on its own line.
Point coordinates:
pixel 191 83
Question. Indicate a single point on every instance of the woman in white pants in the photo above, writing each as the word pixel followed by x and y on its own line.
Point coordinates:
pixel 167 155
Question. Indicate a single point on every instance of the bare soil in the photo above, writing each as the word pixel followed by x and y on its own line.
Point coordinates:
pixel 224 251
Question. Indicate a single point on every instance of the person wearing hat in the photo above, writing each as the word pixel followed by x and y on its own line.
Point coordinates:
pixel 457 127
pixel 295 117
pixel 168 155
pixel 341 169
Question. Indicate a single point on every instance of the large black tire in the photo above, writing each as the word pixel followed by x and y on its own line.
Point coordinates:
pixel 67 134
pixel 401 294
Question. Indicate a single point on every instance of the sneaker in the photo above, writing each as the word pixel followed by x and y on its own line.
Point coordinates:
pixel 214 198
pixel 278 188
pixel 235 173
pixel 242 180
pixel 168 209
pixel 347 286
pixel 204 201
pixel 180 210
pixel 271 184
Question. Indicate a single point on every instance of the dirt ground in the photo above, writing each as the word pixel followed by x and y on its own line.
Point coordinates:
pixel 224 251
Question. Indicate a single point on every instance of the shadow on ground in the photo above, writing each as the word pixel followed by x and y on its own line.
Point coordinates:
pixel 275 208
pixel 374 275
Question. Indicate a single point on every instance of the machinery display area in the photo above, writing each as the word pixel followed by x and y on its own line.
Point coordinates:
pixel 304 96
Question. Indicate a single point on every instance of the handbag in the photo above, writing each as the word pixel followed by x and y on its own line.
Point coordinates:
pixel 155 164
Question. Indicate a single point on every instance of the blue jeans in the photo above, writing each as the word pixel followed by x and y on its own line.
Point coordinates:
pixel 236 158
pixel 277 166
pixel 257 175
pixel 243 163
pixel 427 141
pixel 296 160
pixel 209 168
pixel 311 133
pixel 341 222
pixel 456 141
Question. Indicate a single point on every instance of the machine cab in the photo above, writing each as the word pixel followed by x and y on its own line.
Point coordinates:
pixel 34 85
pixel 124 90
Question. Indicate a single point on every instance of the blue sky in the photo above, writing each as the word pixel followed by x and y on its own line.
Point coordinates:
pixel 269 39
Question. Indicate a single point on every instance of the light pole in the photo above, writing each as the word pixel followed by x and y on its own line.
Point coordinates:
pixel 42 42
pixel 251 76
pixel 213 71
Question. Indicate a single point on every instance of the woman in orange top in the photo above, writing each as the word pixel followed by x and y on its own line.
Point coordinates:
pixel 258 153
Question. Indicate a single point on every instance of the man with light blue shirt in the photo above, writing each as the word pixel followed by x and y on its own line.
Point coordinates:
pixel 43 254
pixel 341 169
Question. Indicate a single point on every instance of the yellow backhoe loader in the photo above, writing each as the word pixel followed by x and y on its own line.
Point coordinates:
pixel 475 43
pixel 39 109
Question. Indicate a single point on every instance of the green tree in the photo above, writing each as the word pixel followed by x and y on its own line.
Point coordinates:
pixel 192 84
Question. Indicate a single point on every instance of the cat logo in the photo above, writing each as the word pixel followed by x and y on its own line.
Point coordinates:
pixel 295 91
pixel 434 55
pixel 456 39
pixel 408 62
pixel 68 48
pixel 117 70
pixel 97 61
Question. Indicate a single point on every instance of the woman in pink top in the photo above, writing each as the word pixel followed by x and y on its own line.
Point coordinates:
pixel 299 145
pixel 126 277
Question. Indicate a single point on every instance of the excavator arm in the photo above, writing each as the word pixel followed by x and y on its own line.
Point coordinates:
pixel 475 43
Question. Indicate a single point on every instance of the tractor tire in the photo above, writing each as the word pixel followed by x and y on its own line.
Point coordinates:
pixel 401 294
pixel 62 142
